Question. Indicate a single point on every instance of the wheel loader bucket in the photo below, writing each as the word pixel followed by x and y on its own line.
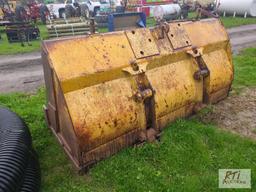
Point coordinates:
pixel 109 91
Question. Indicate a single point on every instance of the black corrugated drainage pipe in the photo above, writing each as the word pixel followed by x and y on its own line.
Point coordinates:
pixel 19 167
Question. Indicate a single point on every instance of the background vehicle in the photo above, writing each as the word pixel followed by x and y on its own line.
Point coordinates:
pixel 7 9
pixel 71 8
pixel 93 7
pixel 57 9
pixel 28 11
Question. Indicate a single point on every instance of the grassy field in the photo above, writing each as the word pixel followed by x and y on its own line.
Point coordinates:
pixel 14 48
pixel 245 69
pixel 230 21
pixel 186 159
pixel 238 21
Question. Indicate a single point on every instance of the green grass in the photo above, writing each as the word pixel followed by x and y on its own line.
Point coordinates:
pixel 238 21
pixel 229 21
pixel 245 69
pixel 186 159
pixel 151 22
pixel 14 48
pixel 103 30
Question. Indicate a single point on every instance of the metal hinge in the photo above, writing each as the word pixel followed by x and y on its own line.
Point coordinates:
pixel 140 96
pixel 203 69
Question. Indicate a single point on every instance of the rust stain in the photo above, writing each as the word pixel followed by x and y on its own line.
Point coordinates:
pixel 99 93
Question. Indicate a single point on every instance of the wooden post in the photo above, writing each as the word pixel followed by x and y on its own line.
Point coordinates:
pixel 92 26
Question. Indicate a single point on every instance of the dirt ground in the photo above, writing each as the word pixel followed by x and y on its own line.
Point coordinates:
pixel 242 37
pixel 22 75
pixel 236 113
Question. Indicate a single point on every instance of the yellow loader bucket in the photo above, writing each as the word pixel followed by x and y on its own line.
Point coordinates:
pixel 109 91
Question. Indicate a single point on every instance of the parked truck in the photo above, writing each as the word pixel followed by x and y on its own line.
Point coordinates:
pixel 69 8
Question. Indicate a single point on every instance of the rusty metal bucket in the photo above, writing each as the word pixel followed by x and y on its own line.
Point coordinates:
pixel 109 91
